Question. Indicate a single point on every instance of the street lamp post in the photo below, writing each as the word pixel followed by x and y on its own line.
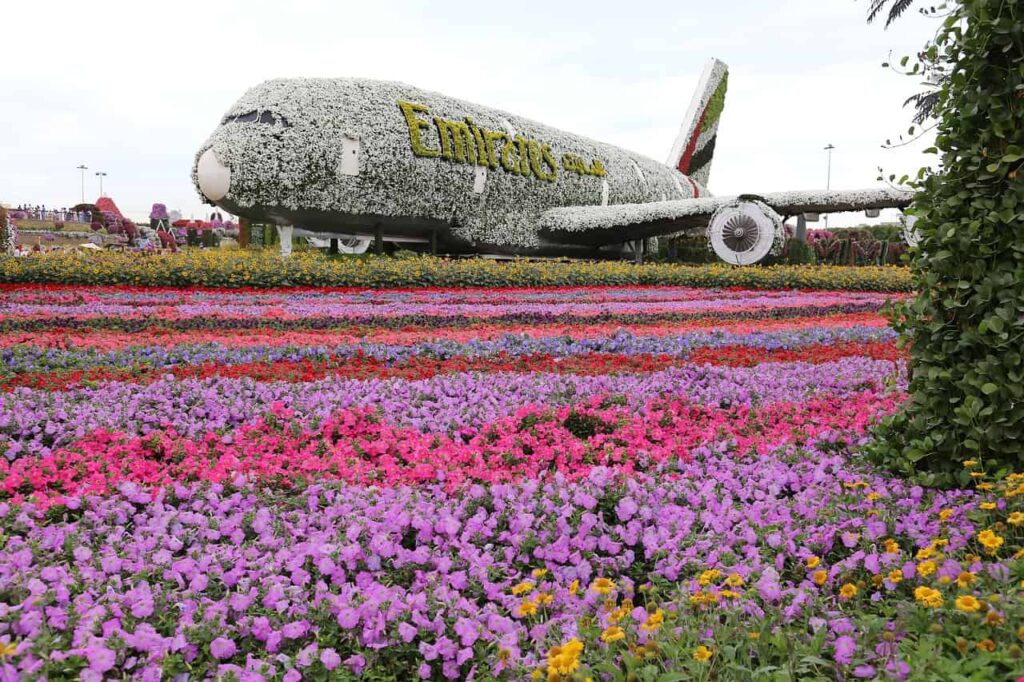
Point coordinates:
pixel 101 175
pixel 83 168
pixel 828 177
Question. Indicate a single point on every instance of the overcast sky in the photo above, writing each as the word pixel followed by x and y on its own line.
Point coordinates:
pixel 133 88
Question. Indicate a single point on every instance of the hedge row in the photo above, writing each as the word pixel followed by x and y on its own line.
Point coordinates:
pixel 236 268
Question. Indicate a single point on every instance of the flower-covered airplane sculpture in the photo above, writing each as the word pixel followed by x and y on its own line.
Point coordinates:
pixel 361 159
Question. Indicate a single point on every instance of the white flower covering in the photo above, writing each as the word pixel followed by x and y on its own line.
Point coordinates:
pixel 294 162
pixel 694 211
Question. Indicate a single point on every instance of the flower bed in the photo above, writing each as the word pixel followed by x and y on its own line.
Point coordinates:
pixel 236 269
pixel 648 483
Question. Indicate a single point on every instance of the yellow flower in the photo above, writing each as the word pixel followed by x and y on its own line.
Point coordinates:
pixel 987 506
pixel 539 573
pixel 990 541
pixel 709 576
pixel 526 609
pixel 524 587
pixel 928 597
pixel 965 579
pixel 820 576
pixel 945 515
pixel 926 568
pixel 1015 519
pixel 602 586
pixel 613 634
pixel 617 615
pixel 895 576
pixel 564 659
pixel 543 598
pixel 977 474
pixel 970 463
pixel 729 594
pixel 892 547
pixel 7 649
pixel 813 561
pixel 537 674
pixel 985 486
pixel 848 591
pixel 734 580
pixel 702 654
pixel 987 645
pixel 967 604
pixel 926 552
pixel 754 635
pixel 653 621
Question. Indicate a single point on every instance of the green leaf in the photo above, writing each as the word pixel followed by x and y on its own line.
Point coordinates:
pixel 674 677
pixel 989 388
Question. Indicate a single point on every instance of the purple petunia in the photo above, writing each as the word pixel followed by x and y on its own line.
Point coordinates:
pixel 222 648
pixel 845 647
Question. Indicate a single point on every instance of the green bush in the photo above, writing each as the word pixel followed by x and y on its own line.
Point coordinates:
pixel 965 329
pixel 799 253
pixel 263 269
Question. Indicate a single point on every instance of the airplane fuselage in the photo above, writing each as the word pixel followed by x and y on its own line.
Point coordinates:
pixel 351 156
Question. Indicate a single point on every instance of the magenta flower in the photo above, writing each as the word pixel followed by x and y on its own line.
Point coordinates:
pixel 845 647
pixel 101 659
pixel 222 648
pixel 330 658
pixel 356 663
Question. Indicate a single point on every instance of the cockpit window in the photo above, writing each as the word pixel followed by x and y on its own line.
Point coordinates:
pixel 266 117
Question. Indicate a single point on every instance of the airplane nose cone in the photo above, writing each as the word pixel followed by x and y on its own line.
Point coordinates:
pixel 214 177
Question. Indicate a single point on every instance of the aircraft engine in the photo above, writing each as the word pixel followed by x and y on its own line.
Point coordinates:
pixel 745 231
pixel 354 245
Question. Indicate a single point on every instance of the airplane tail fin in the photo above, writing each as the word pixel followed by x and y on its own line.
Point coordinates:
pixel 695 147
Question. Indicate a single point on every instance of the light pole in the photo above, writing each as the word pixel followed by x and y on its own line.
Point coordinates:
pixel 101 175
pixel 828 177
pixel 83 168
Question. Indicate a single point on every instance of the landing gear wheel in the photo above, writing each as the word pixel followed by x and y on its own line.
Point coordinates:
pixel 745 232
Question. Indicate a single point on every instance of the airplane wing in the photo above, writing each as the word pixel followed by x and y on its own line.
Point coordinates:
pixel 624 222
